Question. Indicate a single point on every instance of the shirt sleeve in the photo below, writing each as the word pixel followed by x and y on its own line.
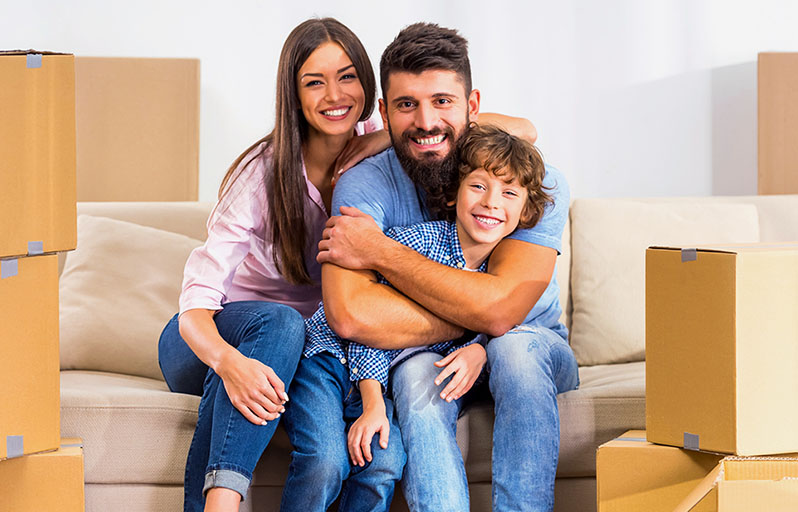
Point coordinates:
pixel 548 231
pixel 369 363
pixel 366 187
pixel 234 224
pixel 419 237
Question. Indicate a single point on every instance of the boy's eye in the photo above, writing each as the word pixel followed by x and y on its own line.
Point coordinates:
pixel 512 193
pixel 478 186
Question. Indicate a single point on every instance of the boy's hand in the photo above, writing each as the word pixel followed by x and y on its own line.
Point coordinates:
pixel 465 363
pixel 372 420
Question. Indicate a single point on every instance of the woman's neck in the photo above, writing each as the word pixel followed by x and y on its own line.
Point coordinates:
pixel 319 153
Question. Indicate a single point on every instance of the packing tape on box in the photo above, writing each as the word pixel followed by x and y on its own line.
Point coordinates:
pixel 72 445
pixel 35 248
pixel 15 446
pixel 690 441
pixel 9 268
pixel 34 60
pixel 689 255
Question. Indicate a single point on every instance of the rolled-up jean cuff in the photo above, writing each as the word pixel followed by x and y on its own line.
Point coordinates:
pixel 228 479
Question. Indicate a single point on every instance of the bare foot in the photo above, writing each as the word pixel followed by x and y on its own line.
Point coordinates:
pixel 221 499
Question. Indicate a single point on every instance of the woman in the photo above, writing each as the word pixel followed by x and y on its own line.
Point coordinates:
pixel 239 334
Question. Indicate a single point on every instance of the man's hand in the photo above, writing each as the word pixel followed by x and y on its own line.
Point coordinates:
pixel 466 364
pixel 361 432
pixel 352 240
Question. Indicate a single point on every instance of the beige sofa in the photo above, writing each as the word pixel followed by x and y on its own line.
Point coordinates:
pixel 121 285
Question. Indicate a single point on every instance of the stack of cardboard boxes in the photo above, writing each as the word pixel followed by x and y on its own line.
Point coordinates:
pixel 721 386
pixel 38 469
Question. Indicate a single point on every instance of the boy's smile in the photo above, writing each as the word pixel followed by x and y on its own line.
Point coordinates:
pixel 488 209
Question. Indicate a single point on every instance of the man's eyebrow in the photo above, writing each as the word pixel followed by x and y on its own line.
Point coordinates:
pixel 321 74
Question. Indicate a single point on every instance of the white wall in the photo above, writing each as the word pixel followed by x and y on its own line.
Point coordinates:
pixel 631 97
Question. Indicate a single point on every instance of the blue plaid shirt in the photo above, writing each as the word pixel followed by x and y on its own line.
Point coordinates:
pixel 437 241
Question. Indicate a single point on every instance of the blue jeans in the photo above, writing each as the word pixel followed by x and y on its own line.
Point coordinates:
pixel 226 446
pixel 324 404
pixel 527 366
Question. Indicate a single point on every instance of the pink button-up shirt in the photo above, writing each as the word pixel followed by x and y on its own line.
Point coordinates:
pixel 236 264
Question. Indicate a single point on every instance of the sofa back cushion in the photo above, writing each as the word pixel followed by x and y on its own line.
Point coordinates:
pixel 117 291
pixel 608 243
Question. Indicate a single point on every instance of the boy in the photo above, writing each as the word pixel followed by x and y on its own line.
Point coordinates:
pixel 499 189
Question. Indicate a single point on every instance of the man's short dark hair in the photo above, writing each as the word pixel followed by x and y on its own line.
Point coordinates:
pixel 426 46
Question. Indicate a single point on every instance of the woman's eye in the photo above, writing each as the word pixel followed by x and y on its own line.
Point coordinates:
pixel 311 83
pixel 349 76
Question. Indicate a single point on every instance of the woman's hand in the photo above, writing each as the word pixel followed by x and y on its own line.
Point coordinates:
pixel 361 432
pixel 253 388
pixel 518 126
pixel 466 364
pixel 358 148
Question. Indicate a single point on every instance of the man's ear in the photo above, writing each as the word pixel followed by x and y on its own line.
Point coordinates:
pixel 383 113
pixel 473 105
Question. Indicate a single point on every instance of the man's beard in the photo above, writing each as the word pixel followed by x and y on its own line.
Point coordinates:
pixel 434 174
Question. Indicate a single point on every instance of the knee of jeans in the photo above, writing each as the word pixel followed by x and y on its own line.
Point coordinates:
pixel 413 381
pixel 279 318
pixel 522 358
pixel 327 463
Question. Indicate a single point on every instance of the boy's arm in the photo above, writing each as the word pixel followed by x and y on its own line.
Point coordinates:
pixel 373 420
pixel 492 302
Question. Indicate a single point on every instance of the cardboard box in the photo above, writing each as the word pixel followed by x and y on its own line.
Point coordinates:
pixel 137 129
pixel 29 360
pixel 37 153
pixel 722 348
pixel 777 93
pixel 747 484
pixel 634 475
pixel 50 481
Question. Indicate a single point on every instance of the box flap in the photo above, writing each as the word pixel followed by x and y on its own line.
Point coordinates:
pixel 31 51
pixel 732 248
pixel 701 490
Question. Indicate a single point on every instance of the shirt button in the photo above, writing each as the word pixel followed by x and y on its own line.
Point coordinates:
pixel 343 360
pixel 354 370
pixel 459 264
pixel 446 257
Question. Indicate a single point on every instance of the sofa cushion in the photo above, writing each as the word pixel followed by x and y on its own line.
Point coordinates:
pixel 118 289
pixel 136 431
pixel 608 242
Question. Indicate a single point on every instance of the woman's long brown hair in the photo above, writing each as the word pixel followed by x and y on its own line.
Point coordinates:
pixel 284 181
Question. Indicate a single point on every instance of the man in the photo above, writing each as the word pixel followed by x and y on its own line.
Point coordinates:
pixel 427 104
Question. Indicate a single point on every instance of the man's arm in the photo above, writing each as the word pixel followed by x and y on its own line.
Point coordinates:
pixel 491 302
pixel 359 308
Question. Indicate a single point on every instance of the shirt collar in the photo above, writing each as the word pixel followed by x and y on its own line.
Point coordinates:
pixel 456 250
